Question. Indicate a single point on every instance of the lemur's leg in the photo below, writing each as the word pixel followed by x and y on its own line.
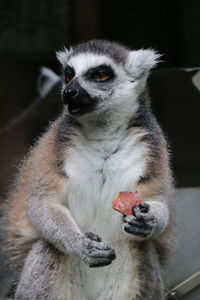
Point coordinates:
pixel 42 273
pixel 147 281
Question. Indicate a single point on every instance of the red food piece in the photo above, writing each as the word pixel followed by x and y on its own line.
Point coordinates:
pixel 125 201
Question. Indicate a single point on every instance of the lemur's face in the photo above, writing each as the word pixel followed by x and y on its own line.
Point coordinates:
pixel 91 82
pixel 95 83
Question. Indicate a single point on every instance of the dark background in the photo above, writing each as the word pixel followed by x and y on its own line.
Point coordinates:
pixel 31 32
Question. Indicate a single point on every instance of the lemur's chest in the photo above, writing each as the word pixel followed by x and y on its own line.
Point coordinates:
pixel 97 171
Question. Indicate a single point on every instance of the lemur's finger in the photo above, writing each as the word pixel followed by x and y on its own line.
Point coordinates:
pixel 143 216
pixel 133 221
pixel 144 207
pixel 138 231
pixel 99 262
pixel 93 236
pixel 102 253
pixel 90 244
pixel 102 246
pixel 141 208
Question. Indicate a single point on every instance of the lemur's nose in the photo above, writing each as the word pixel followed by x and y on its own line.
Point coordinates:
pixel 71 93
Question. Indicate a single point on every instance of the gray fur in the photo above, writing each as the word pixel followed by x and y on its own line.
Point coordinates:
pixel 115 51
pixel 112 147
pixel 41 269
pixel 47 219
pixel 149 223
pixel 152 285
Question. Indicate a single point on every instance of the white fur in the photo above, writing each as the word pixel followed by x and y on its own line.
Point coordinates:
pixel 63 55
pixel 121 98
pixel 105 283
pixel 141 61
pixel 103 162
pixel 84 61
pixel 93 183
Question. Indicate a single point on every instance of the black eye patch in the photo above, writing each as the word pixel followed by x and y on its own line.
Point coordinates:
pixel 69 73
pixel 101 73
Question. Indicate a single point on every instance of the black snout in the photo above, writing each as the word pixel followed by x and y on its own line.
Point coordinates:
pixel 78 99
pixel 70 93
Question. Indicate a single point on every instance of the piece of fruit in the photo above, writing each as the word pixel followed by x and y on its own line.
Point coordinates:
pixel 125 201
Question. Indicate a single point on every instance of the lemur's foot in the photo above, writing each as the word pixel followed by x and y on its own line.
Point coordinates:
pixel 142 224
pixel 96 253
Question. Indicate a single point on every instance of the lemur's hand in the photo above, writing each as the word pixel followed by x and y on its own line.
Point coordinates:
pixel 94 252
pixel 142 224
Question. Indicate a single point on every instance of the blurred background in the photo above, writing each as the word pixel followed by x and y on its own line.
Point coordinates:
pixel 30 34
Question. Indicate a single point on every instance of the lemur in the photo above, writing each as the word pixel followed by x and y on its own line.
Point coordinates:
pixel 64 238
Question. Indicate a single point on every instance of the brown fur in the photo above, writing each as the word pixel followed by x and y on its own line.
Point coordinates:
pixel 40 169
pixel 41 172
pixel 161 184
pixel 17 137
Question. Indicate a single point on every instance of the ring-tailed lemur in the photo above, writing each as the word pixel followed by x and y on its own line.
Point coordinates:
pixel 105 141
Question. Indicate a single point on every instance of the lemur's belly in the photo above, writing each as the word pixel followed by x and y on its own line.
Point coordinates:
pixel 94 181
pixel 90 204
pixel 92 185
pixel 94 213
pixel 115 282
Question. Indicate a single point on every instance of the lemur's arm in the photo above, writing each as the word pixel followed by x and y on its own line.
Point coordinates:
pixel 48 215
pixel 152 216
pixel 53 221
pixel 55 224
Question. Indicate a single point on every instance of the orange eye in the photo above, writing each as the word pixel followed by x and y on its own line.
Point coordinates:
pixel 102 77
pixel 68 78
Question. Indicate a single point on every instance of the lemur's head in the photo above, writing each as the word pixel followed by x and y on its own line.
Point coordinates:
pixel 100 75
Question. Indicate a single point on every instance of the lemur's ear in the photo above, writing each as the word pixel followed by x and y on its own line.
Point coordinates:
pixel 63 56
pixel 141 61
